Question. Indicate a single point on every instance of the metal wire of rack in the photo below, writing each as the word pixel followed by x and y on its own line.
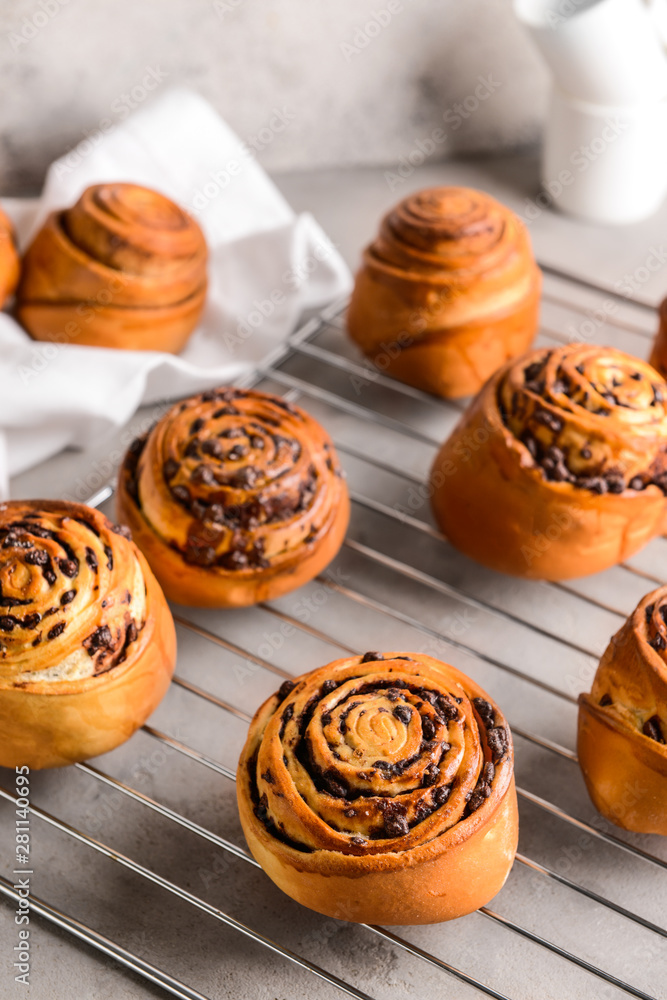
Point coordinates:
pixel 582 907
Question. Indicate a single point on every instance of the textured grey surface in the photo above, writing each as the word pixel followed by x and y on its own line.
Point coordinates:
pixel 352 93
pixel 476 639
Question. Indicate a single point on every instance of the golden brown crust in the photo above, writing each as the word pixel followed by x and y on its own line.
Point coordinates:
pixel 380 789
pixel 448 292
pixel 234 497
pixel 622 742
pixel 87 642
pixel 557 469
pixel 125 267
pixel 9 259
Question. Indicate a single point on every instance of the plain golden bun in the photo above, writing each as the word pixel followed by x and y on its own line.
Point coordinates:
pixel 87 642
pixel 234 497
pixel 558 468
pixel 125 267
pixel 448 291
pixel 622 742
pixel 380 789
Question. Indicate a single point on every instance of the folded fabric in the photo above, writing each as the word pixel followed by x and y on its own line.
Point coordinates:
pixel 266 266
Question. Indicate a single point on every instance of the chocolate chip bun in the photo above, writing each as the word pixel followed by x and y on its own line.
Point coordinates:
pixel 622 742
pixel 124 267
pixel 234 497
pixel 447 292
pixel 558 468
pixel 87 642
pixel 380 789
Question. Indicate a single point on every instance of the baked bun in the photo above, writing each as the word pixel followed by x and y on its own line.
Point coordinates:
pixel 234 497
pixel 87 642
pixel 125 267
pixel 9 260
pixel 622 743
pixel 448 292
pixel 558 467
pixel 380 789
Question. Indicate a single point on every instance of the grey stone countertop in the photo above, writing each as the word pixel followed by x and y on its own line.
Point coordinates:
pixel 546 640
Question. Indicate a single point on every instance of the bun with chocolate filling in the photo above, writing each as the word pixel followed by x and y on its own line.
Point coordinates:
pixel 558 468
pixel 234 497
pixel 125 267
pixel 622 742
pixel 380 789
pixel 87 642
pixel 447 292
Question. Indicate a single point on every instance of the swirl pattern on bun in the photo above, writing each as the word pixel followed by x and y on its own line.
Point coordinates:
pixel 124 267
pixel 234 497
pixel 448 291
pixel 622 743
pixel 380 788
pixel 559 466
pixel 87 643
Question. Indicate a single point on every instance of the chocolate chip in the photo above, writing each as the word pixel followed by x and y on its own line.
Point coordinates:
pixel 615 484
pixel 69 567
pixel 530 443
pixel 231 432
pixel 56 630
pixel 395 825
pixel 237 452
pixel 446 709
pixel 109 554
pixel 428 728
pixel 214 448
pixel 91 559
pixel 653 729
pixel 533 370
pixel 403 713
pixel 349 813
pixel 441 794
pixel 658 642
pixel 203 474
pixel 181 494
pixel 431 775
pixel 549 420
pixel 636 376
pixel 257 442
pixel 196 425
pixel 333 785
pixel 267 776
pixel 285 688
pixel 586 453
pixel 497 740
pixel 199 553
pixel 37 558
pixel 371 657
pixel 192 449
pixel 636 483
pixel 477 798
pixel 233 560
pixel 327 687
pixel 7 623
pixel 122 530
pixel 595 484
pixel 357 840
pixel 67 597
pixel 485 711
pixel 648 611
pixel 32 621
pixel 605 700
pixel 245 478
pixel 488 772
pixel 131 634
pixel 101 638
pixel 170 468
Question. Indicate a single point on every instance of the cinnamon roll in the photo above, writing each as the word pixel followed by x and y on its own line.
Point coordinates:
pixel 380 789
pixel 9 259
pixel 125 267
pixel 622 741
pixel 87 642
pixel 448 291
pixel 234 497
pixel 558 468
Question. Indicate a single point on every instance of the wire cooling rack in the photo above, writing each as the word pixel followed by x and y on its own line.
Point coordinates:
pixel 140 856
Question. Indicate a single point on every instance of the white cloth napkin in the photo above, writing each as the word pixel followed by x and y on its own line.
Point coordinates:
pixel 266 267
